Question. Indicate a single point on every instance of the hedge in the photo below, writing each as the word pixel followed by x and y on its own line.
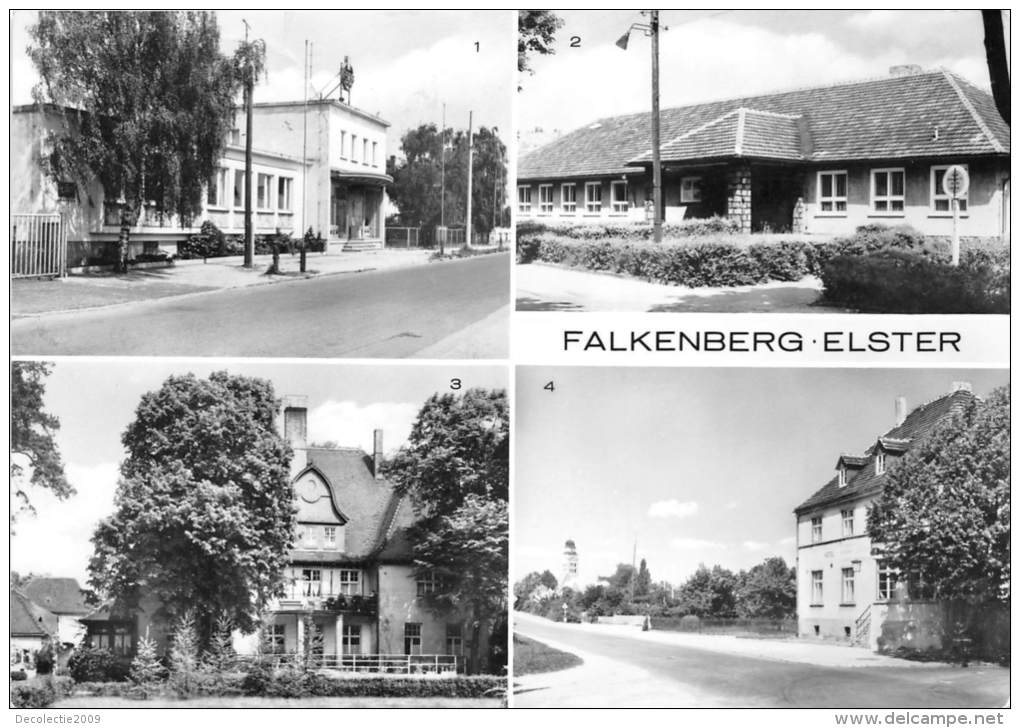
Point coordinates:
pixel 298 684
pixel 902 281
pixel 39 692
pixel 211 242
pixel 724 259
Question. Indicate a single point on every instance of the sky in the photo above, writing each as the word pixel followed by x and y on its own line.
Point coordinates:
pixel 95 400
pixel 712 54
pixel 695 465
pixel 407 63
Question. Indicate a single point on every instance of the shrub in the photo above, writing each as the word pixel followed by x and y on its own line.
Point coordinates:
pixel 32 694
pixel 92 664
pixel 899 281
pixel 17 675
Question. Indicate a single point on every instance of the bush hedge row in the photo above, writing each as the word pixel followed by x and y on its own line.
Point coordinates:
pixel 868 270
pixel 39 692
pixel 211 242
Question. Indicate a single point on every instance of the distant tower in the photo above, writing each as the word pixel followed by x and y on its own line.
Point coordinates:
pixel 569 578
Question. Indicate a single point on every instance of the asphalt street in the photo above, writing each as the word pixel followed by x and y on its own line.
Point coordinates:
pixel 714 679
pixel 389 313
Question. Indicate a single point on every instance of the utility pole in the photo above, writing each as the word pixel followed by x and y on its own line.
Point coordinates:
pixel 467 230
pixel 304 163
pixel 442 174
pixel 249 89
pixel 656 161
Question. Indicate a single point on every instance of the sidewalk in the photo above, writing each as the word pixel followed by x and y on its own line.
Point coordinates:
pixel 545 287
pixel 792 650
pixel 41 296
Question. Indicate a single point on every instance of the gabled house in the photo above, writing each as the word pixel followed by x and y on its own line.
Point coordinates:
pixel 844 589
pixel 819 160
pixel 350 573
pixel 63 598
pixel 31 626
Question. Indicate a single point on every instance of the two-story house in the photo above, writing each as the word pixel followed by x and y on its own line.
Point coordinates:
pixel 350 573
pixel 844 590
pixel 820 160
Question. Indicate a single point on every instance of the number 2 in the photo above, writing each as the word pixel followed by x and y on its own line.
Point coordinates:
pixel 575 41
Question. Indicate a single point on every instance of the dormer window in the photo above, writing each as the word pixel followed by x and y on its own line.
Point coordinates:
pixel 841 476
pixel 329 536
pixel 879 462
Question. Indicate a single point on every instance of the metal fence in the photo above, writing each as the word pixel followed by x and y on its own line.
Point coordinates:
pixel 375 663
pixel 403 237
pixel 38 245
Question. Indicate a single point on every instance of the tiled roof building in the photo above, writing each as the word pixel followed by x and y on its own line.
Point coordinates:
pixel 911 122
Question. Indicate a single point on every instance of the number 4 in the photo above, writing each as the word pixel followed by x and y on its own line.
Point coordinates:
pixel 550 386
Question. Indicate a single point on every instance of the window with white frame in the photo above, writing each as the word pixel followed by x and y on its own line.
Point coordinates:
pixel 940 201
pixel 848 521
pixel 311 582
pixel 217 189
pixel 545 199
pixel 412 638
pixel 841 479
pixel 847 594
pixel 816 587
pixel 238 188
pixel 283 199
pixel 343 144
pixel 524 199
pixel 352 639
pixel 887 579
pixel 375 151
pixel 329 537
pixel 354 147
pixel 235 136
pixel 832 191
pixel 593 197
pixel 264 184
pixel 618 196
pixel 568 198
pixel 348 582
pixel 690 190
pixel 455 639
pixel 879 461
pixel 816 529
pixel 427 583
pixel 887 191
pixel 364 151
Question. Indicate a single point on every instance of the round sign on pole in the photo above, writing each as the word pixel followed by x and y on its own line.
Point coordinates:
pixel 956 181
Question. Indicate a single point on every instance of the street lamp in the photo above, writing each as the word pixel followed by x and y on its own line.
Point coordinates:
pixel 652 29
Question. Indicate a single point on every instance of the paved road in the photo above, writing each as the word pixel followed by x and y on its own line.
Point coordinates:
pixel 716 679
pixel 376 314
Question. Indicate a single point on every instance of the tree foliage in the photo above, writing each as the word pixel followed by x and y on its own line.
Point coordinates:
pixel 455 468
pixel 536 33
pixel 418 186
pixel 767 591
pixel 34 452
pixel 147 99
pixel 204 511
pixel 945 510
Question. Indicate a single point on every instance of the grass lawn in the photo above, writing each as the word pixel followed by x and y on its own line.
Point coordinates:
pixel 531 657
pixel 97 702
pixel 31 296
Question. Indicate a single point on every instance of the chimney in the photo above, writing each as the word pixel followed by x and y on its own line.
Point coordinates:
pixel 961 387
pixel 901 410
pixel 905 69
pixel 377 457
pixel 295 430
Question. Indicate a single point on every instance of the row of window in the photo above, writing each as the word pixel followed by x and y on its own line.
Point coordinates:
pixel 887 191
pixel 454 639
pixel 618 198
pixel 320 537
pixel 369 150
pixel 314 583
pixel 847 519
pixel 272 192
pixel 887 580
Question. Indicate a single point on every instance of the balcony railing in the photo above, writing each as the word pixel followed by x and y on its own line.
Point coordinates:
pixel 363 604
pixel 376 663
